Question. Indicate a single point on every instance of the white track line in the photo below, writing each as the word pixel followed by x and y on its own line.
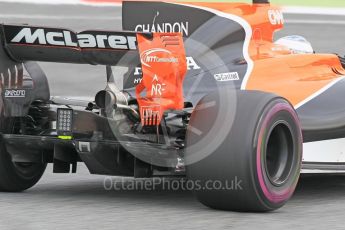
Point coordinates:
pixel 62 2
pixel 58 17
pixel 314 10
pixel 69 2
pixel 316 22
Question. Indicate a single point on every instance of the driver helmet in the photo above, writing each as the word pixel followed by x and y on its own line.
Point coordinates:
pixel 297 44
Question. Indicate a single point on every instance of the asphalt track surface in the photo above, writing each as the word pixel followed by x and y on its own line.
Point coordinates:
pixel 81 202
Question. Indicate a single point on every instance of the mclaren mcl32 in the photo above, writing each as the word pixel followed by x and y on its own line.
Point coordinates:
pixel 208 95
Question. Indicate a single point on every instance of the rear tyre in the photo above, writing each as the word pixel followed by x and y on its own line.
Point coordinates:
pixel 17 177
pixel 257 165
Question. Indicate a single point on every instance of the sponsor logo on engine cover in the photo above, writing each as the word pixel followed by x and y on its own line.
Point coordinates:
pixel 233 76
pixel 157 87
pixel 152 56
pixel 137 80
pixel 42 36
pixel 176 27
pixel 191 65
pixel 13 93
pixel 276 17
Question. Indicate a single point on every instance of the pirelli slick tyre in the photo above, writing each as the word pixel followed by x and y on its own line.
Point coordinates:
pixel 257 164
pixel 17 177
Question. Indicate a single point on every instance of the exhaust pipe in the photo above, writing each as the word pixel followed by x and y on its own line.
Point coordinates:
pixel 105 99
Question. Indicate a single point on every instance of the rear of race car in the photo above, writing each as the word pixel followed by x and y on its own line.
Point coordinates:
pixel 178 111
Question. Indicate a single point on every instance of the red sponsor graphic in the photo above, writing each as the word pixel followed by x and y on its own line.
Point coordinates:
pixel 163 61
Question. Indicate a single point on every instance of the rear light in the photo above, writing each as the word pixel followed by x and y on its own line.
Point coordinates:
pixel 64 123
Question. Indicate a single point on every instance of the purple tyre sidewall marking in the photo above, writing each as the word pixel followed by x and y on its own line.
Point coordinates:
pixel 273 196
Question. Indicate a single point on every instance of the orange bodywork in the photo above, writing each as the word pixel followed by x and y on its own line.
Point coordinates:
pixel 292 76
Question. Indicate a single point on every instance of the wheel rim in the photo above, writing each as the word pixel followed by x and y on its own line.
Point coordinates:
pixel 279 153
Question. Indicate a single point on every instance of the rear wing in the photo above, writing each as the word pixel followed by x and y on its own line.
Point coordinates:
pixel 28 43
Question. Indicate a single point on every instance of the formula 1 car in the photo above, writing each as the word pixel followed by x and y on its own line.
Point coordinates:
pixel 208 95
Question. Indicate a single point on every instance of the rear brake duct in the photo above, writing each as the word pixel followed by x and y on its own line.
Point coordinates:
pixel 163 61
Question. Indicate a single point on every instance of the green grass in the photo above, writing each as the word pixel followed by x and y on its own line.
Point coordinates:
pixel 322 3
